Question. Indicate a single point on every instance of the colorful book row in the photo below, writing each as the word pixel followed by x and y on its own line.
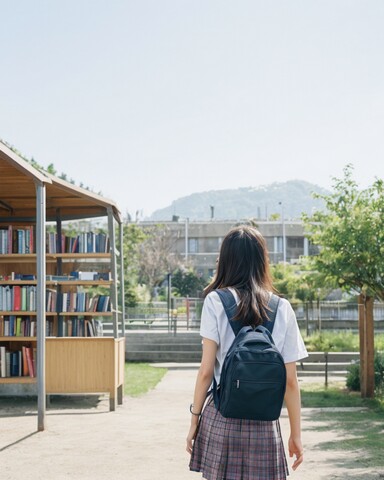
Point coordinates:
pixel 15 298
pixel 17 240
pixel 86 242
pixel 77 302
pixel 21 240
pixel 17 363
pixel 14 326
pixel 81 327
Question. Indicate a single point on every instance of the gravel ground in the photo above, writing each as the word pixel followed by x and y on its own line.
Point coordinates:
pixel 144 439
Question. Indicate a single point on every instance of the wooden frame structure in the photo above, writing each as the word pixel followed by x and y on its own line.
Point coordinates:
pixel 29 196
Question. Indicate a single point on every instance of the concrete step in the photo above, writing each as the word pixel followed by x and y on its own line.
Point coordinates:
pixel 163 356
pixel 321 373
pixel 318 366
pixel 175 347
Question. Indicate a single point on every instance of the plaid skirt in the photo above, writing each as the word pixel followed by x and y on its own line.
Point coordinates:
pixel 235 449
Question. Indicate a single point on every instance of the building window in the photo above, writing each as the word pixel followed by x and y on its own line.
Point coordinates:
pixel 193 245
pixel 295 242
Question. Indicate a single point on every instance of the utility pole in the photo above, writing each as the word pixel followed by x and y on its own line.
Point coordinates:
pixel 284 236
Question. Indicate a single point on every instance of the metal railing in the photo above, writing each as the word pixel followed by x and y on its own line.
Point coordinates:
pixel 185 314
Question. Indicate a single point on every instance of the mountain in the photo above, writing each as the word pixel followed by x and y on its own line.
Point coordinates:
pixel 251 202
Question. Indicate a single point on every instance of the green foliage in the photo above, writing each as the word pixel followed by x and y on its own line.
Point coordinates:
pixel 298 282
pixel 133 237
pixel 353 378
pixel 351 236
pixel 329 341
pixel 186 282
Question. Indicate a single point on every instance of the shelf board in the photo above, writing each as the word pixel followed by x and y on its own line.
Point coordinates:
pixel 84 282
pixel 14 338
pixel 50 257
pixel 23 313
pixel 17 380
pixel 78 255
pixel 57 282
pixel 18 282
pixel 20 258
pixel 85 314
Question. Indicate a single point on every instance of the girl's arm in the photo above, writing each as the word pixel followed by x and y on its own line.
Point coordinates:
pixel 293 404
pixel 203 382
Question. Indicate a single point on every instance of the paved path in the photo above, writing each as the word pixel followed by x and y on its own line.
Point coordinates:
pixel 142 440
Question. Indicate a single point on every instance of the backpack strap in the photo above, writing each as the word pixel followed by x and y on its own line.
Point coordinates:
pixel 230 307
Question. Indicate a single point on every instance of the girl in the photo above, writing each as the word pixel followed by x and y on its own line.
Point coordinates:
pixel 234 449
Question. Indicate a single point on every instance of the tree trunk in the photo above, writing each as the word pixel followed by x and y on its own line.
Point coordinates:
pixel 366 331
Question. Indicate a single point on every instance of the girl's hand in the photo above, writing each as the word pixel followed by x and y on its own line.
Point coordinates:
pixel 191 437
pixel 296 448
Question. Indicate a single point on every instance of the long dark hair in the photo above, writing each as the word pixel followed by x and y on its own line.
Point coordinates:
pixel 243 264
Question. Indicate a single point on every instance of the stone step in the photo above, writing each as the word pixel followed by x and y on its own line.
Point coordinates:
pixel 175 347
pixel 163 356
pixel 317 366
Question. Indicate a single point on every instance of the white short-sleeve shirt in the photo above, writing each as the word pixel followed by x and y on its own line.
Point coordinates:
pixel 286 334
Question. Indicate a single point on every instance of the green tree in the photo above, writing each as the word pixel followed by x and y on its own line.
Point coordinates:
pixel 299 282
pixel 187 282
pixel 133 237
pixel 350 234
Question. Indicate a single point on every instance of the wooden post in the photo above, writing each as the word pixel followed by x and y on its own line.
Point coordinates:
pixel 361 307
pixel 366 332
pixel 370 354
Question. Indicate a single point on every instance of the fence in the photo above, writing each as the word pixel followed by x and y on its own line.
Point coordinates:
pixel 184 314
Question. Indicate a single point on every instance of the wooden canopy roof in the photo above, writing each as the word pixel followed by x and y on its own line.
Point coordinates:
pixel 64 200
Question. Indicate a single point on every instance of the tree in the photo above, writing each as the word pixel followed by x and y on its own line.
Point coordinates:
pixel 299 282
pixel 156 257
pixel 186 282
pixel 350 234
pixel 133 237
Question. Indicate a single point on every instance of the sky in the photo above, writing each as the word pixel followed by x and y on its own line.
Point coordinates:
pixel 147 101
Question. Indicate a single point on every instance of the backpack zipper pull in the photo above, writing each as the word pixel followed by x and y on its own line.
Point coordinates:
pixel 237 383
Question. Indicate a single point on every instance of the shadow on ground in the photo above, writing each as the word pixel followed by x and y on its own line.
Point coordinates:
pixel 26 406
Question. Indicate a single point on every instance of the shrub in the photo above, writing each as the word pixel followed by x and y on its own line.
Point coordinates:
pixel 353 377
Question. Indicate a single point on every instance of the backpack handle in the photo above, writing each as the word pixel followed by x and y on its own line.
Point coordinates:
pixel 265 332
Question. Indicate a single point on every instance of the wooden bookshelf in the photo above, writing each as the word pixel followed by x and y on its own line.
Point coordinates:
pixel 86 365
pixel 72 364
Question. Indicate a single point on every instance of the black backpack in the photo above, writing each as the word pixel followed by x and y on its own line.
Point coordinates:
pixel 253 377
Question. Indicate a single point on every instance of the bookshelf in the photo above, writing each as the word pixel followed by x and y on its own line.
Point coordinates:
pixel 54 296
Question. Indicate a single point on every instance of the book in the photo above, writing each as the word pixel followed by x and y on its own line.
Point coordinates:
pixel 25 363
pixel 16 298
pixel 3 362
pixel 14 364
pixel 30 361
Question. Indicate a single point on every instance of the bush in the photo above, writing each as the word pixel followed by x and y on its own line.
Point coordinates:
pixel 338 341
pixel 353 378
pixel 330 341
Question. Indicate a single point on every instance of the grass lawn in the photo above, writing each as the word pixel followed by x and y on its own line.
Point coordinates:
pixel 141 377
pixel 362 432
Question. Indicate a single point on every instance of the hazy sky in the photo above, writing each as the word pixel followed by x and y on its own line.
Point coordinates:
pixel 147 101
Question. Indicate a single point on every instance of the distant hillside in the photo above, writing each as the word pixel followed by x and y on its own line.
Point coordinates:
pixel 251 202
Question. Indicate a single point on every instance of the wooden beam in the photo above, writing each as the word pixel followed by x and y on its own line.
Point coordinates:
pixel 366 336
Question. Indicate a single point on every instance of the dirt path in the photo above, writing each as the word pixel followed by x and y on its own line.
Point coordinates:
pixel 142 440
